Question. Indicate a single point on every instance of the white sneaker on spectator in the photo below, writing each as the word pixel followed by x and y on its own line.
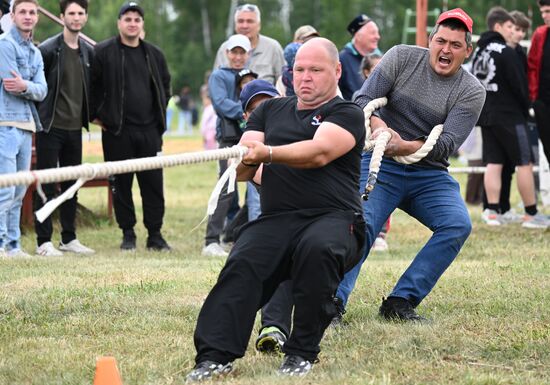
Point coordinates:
pixel 214 250
pixel 379 244
pixel 47 249
pixel 537 221
pixel 511 216
pixel 491 217
pixel 76 247
pixel 17 253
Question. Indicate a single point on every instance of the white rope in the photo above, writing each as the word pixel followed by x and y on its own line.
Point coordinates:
pixel 406 159
pixel 86 172
pixel 379 145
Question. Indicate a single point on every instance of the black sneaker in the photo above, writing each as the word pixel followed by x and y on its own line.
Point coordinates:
pixel 399 309
pixel 128 240
pixel 208 369
pixel 157 243
pixel 295 366
pixel 340 311
pixel 270 340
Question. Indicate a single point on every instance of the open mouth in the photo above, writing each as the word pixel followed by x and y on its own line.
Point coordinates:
pixel 444 60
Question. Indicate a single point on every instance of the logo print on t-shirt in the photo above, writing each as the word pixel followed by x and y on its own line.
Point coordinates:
pixel 316 121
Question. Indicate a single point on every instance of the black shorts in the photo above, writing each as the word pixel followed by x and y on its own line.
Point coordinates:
pixel 506 144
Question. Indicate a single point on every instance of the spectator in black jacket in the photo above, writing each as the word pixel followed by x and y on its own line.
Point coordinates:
pixel 130 92
pixel 67 58
pixel 503 118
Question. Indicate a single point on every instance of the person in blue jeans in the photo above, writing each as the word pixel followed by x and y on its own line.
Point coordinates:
pixel 424 87
pixel 22 83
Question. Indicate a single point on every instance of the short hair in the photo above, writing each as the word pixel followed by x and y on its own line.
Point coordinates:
pixel 542 3
pixel 248 8
pixel 366 62
pixel 521 20
pixel 17 2
pixel 63 4
pixel 498 15
pixel 453 25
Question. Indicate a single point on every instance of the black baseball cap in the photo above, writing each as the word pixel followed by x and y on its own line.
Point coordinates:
pixel 357 23
pixel 131 6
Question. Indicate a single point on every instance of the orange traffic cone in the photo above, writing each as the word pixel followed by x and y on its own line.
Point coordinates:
pixel 106 372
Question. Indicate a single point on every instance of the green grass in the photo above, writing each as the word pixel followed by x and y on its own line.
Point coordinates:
pixel 490 310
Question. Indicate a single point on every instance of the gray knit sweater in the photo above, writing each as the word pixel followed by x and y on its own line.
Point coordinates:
pixel 419 99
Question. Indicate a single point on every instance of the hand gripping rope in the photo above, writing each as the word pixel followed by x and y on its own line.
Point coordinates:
pixel 378 146
pixel 86 172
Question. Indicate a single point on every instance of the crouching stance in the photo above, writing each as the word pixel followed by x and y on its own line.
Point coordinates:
pixel 424 87
pixel 311 228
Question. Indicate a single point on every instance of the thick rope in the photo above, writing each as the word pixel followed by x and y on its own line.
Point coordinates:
pixel 102 170
pixel 86 172
pixel 379 145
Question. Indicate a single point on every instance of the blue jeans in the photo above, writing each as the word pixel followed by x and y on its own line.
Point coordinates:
pixel 15 155
pixel 185 122
pixel 252 201
pixel 433 197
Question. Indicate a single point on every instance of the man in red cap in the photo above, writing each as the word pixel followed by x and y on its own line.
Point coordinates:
pixel 424 87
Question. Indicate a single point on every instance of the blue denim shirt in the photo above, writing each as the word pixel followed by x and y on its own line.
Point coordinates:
pixel 21 56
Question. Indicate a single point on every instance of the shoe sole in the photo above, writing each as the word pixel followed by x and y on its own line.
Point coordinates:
pixel 269 345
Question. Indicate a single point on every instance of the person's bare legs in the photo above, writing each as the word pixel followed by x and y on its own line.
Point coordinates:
pixel 493 182
pixel 526 184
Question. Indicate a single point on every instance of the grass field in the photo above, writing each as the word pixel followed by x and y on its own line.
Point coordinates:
pixel 490 310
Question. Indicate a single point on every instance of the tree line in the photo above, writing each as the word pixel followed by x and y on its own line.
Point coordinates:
pixel 190 31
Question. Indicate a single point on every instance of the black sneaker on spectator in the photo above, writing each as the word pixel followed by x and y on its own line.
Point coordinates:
pixel 157 243
pixel 399 309
pixel 295 366
pixel 128 240
pixel 207 370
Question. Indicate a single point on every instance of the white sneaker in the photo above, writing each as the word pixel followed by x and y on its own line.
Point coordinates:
pixel 75 246
pixel 537 221
pixel 47 249
pixel 511 216
pixel 491 217
pixel 17 253
pixel 214 250
pixel 379 244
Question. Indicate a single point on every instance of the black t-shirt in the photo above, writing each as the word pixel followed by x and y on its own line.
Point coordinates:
pixel 139 111
pixel 334 186
pixel 544 83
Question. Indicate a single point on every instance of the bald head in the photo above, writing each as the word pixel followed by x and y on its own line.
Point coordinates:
pixel 321 43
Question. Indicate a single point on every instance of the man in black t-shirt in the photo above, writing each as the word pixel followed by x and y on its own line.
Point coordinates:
pixel 311 228
pixel 130 92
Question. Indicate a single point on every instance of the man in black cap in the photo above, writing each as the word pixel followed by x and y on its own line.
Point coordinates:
pixel 364 41
pixel 130 91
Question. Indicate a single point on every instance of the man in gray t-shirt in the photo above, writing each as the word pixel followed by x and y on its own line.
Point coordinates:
pixel 424 87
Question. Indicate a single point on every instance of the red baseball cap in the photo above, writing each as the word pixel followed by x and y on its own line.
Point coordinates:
pixel 458 14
